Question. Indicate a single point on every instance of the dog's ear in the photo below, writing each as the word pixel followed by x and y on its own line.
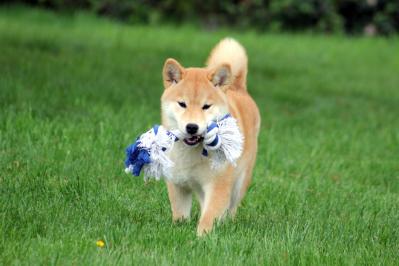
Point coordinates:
pixel 172 72
pixel 221 76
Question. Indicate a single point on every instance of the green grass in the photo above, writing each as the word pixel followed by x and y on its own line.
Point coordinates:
pixel 76 90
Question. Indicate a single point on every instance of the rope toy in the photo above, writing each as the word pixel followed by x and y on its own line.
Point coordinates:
pixel 223 142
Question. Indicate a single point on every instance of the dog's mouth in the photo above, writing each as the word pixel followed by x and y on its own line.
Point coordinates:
pixel 194 140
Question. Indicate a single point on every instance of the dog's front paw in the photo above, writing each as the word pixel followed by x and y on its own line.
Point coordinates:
pixel 203 229
pixel 180 218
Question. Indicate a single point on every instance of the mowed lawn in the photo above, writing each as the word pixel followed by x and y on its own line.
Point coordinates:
pixel 76 90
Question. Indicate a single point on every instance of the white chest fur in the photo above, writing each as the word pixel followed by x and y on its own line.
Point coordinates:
pixel 190 166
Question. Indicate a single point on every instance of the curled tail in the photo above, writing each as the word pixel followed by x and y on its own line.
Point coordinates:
pixel 229 51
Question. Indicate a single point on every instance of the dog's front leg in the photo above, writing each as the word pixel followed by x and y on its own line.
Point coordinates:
pixel 216 201
pixel 180 200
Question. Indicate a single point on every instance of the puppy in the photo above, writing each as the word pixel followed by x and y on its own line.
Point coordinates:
pixel 192 98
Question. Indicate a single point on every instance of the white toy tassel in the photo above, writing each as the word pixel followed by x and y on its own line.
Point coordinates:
pixel 231 143
pixel 163 142
pixel 150 153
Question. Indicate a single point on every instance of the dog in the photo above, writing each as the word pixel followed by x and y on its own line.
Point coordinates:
pixel 193 97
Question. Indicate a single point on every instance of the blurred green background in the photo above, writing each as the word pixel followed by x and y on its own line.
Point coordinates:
pixel 76 88
pixel 332 16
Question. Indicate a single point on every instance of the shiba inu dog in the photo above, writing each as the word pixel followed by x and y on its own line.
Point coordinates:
pixel 192 98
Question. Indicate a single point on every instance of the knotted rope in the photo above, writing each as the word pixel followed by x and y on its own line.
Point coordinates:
pixel 223 142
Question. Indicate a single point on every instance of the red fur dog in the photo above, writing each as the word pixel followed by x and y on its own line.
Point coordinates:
pixel 192 98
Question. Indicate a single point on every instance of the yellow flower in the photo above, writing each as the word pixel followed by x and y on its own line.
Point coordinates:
pixel 100 243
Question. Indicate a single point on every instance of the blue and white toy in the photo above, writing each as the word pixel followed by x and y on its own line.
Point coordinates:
pixel 223 142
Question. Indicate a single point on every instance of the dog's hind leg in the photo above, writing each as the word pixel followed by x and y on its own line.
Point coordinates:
pixel 236 193
pixel 241 186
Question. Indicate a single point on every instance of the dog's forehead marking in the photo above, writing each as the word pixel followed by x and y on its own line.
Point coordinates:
pixel 196 80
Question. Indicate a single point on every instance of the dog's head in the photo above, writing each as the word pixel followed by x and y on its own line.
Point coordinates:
pixel 193 97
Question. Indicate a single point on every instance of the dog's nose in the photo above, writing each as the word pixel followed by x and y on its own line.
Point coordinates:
pixel 192 128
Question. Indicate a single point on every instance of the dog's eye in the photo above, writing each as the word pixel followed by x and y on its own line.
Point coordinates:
pixel 206 106
pixel 182 104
